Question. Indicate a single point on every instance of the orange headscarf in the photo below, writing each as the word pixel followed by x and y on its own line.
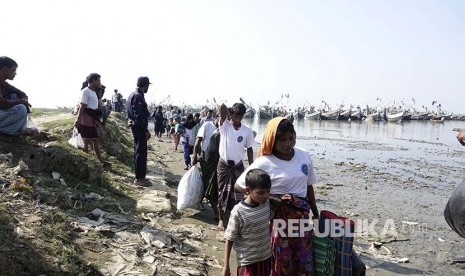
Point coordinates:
pixel 269 136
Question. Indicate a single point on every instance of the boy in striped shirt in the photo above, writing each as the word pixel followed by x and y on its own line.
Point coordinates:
pixel 248 228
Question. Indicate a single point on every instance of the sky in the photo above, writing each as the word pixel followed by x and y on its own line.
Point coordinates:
pixel 340 52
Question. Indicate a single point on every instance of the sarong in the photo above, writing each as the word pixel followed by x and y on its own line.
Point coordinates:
pixel 210 180
pixel 262 268
pixel 227 176
pixel 209 166
pixel 292 255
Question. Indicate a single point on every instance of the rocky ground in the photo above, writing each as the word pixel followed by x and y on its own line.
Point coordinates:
pixel 62 214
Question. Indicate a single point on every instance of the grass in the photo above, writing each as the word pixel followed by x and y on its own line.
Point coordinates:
pixel 52 246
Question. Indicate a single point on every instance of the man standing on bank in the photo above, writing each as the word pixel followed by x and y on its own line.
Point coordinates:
pixel 138 116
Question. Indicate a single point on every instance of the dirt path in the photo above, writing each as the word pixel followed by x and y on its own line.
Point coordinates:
pixel 420 243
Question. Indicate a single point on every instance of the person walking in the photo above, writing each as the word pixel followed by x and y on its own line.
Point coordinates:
pixel 138 116
pixel 14 104
pixel 248 228
pixel 159 125
pixel 235 136
pixel 292 176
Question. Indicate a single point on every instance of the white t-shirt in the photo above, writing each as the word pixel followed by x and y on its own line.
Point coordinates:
pixel 248 228
pixel 89 98
pixel 206 131
pixel 233 142
pixel 188 136
pixel 287 177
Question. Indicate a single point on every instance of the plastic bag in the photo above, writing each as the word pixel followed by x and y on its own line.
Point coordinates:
pixel 190 189
pixel 29 127
pixel 76 140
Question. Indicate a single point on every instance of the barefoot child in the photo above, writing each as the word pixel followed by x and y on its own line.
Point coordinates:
pixel 248 228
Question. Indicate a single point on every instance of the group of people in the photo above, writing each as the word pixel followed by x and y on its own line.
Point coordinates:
pixel 278 185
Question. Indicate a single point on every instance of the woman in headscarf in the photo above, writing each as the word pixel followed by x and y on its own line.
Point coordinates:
pixel 292 176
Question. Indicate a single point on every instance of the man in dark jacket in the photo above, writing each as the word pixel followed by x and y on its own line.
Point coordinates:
pixel 138 116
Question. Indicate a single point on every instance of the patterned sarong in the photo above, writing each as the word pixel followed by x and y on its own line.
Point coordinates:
pixel 227 176
pixel 262 268
pixel 292 255
pixel 344 243
pixel 325 255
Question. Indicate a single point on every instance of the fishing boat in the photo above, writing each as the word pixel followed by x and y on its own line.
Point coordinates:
pixel 357 115
pixel 330 115
pixel 299 114
pixel 250 111
pixel 344 115
pixel 420 116
pixel 313 115
pixel 265 112
pixel 394 118
pixel 438 120
pixel 375 116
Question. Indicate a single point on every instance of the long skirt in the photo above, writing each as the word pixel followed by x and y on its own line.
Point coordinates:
pixel 227 176
pixel 292 255
pixel 13 119
pixel 262 268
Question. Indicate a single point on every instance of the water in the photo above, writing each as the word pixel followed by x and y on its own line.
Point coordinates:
pixel 420 150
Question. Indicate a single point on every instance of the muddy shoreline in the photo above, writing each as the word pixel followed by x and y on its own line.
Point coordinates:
pixel 419 240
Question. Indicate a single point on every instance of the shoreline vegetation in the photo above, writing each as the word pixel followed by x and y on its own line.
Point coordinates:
pixel 61 213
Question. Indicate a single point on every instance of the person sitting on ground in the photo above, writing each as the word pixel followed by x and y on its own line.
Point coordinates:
pixel 14 105
pixel 248 228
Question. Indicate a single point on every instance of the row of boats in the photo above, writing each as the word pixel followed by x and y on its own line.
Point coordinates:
pixel 387 114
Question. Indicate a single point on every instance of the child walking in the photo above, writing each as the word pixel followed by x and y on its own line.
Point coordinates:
pixel 248 228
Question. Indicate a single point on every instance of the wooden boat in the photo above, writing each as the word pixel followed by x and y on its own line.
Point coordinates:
pixel 313 116
pixel 330 115
pixel 357 116
pixel 438 120
pixel 394 118
pixel 299 115
pixel 265 112
pixel 344 115
pixel 375 116
pixel 250 112
pixel 420 116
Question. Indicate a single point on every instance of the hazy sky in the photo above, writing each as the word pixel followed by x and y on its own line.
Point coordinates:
pixel 349 52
